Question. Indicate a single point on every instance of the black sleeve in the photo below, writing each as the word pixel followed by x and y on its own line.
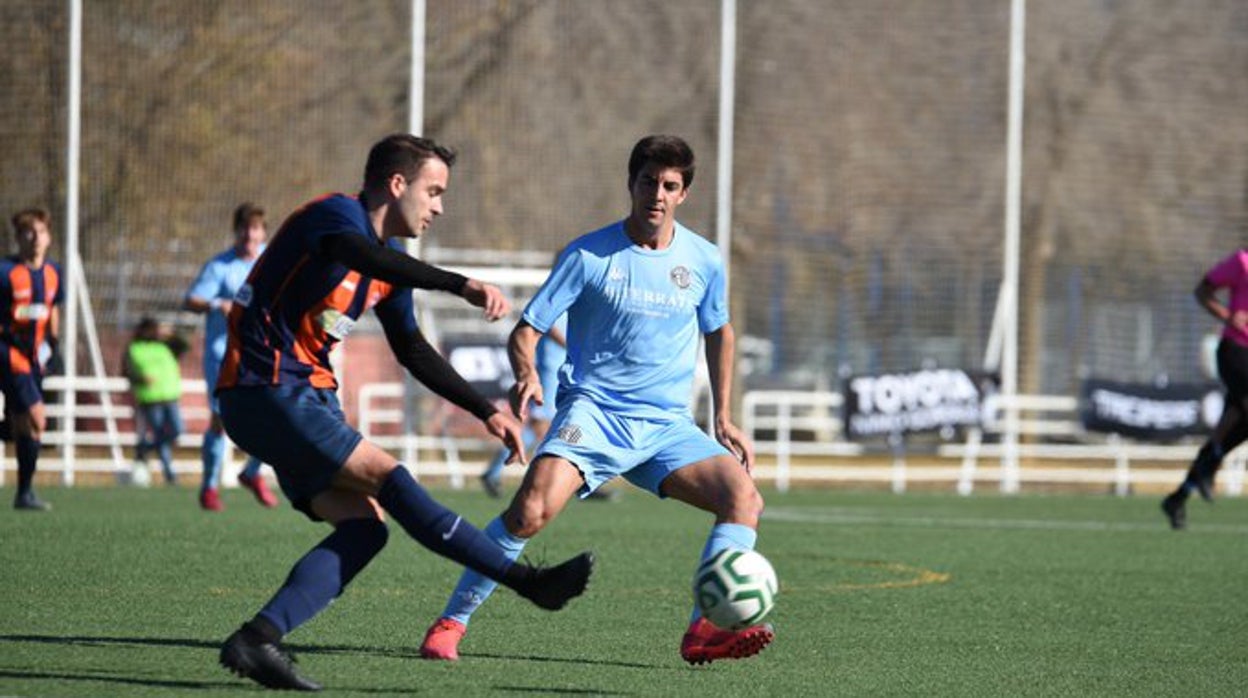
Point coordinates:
pixel 429 367
pixel 384 264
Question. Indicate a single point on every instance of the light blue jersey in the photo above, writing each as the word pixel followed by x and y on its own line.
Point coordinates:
pixel 219 279
pixel 635 316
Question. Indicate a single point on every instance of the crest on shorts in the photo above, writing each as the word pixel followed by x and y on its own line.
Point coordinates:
pixel 680 276
pixel 570 434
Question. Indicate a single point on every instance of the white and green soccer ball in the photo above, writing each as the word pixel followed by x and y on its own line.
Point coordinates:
pixel 736 588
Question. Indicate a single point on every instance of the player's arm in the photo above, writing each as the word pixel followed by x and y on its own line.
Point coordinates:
pixel 385 264
pixel 1207 296
pixel 720 353
pixel 428 366
pixel 522 352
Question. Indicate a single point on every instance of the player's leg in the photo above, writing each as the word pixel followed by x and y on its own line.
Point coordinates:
pixel 329 471
pixel 212 454
pixel 492 478
pixel 253 480
pixel 1231 430
pixel 548 485
pixel 24 402
pixel 303 433
pixel 320 576
pixel 166 427
pixel 691 467
pixel 28 427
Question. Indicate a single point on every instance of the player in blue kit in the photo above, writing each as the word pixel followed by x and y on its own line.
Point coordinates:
pixel 333 259
pixel 550 356
pixel 212 293
pixel 638 294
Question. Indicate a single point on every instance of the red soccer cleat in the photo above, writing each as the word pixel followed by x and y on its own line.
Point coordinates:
pixel 210 500
pixel 704 643
pixel 259 488
pixel 442 640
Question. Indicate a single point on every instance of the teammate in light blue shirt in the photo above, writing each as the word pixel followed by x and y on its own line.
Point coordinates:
pixel 212 294
pixel 638 295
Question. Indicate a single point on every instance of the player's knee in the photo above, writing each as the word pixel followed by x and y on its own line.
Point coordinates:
pixel 526 519
pixel 743 505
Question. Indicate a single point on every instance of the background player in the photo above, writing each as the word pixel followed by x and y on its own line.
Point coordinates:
pixel 30 291
pixel 638 293
pixel 212 293
pixel 332 260
pixel 1230 274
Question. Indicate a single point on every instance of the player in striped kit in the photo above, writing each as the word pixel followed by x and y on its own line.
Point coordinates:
pixel 30 291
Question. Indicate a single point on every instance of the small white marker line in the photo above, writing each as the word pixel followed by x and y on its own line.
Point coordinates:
pixel 836 518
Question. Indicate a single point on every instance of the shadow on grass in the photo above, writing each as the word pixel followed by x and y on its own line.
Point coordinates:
pixel 196 644
pixel 113 678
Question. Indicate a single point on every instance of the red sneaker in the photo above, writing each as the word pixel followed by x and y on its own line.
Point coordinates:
pixel 704 643
pixel 259 488
pixel 442 640
pixel 209 500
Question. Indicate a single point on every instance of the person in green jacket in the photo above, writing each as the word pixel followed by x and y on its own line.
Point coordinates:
pixel 151 364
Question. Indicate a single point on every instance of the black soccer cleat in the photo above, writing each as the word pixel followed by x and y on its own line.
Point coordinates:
pixel 492 487
pixel 552 587
pixel 1175 508
pixel 267 663
pixel 29 502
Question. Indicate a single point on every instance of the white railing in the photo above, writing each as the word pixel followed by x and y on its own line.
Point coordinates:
pixel 99 434
pixel 801 432
pixel 786 424
pixel 784 412
pixel 380 404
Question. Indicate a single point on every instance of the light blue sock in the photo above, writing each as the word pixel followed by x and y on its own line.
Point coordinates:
pixel 212 452
pixel 724 535
pixel 474 588
pixel 252 469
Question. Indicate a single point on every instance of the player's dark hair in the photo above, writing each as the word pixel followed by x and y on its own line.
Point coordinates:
pixel 402 153
pixel 26 218
pixel 666 151
pixel 245 213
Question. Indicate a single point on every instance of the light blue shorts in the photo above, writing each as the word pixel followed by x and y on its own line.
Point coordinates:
pixel 604 444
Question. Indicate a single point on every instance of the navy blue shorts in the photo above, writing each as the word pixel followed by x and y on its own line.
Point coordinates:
pixel 299 430
pixel 21 391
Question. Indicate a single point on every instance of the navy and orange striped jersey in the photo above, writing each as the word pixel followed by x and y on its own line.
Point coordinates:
pixel 26 299
pixel 296 304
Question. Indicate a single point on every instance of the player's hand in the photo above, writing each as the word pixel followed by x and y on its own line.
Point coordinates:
pixel 1239 320
pixel 521 394
pixel 736 441
pixel 488 297
pixel 508 430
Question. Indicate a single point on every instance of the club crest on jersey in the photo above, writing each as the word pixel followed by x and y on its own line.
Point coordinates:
pixel 570 434
pixel 680 276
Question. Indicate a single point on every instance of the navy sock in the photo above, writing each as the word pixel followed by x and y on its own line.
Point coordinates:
pixel 27 457
pixel 321 575
pixel 442 530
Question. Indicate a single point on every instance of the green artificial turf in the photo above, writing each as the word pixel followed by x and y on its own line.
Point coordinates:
pixel 129 592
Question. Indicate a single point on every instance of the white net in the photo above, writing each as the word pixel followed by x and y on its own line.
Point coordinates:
pixel 869 154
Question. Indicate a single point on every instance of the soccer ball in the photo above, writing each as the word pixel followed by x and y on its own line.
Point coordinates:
pixel 735 588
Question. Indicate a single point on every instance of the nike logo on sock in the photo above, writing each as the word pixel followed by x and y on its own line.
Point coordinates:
pixel 448 534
